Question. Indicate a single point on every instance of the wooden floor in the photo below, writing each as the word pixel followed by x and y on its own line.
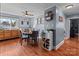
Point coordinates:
pixel 13 48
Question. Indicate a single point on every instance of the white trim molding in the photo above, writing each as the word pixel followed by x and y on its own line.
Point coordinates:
pixel 65 38
pixel 59 45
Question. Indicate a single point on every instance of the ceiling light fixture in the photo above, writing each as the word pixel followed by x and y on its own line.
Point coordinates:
pixel 68 6
pixel 28 13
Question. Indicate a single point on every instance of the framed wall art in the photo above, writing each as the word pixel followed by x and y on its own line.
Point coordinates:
pixel 61 18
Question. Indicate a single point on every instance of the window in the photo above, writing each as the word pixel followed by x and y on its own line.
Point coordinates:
pixel 7 23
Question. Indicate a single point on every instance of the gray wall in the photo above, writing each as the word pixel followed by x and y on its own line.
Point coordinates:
pixel 67 28
pixel 30 20
pixel 59 26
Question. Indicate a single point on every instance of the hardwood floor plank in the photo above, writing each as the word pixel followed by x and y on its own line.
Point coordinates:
pixel 13 48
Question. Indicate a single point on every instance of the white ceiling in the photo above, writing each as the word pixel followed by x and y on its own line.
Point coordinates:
pixel 37 8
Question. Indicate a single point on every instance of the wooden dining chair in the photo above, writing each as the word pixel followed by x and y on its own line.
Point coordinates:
pixel 23 37
pixel 34 37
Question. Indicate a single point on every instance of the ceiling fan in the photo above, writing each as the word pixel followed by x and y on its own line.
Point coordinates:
pixel 27 13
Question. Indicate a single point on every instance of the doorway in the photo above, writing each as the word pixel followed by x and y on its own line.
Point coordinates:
pixel 74 28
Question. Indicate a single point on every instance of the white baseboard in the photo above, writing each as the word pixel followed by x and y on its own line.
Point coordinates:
pixel 58 46
pixel 66 38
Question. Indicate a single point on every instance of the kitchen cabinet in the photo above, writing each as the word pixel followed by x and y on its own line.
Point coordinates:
pixel 9 34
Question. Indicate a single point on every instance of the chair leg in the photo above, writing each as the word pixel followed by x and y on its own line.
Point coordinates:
pixel 21 41
pixel 25 40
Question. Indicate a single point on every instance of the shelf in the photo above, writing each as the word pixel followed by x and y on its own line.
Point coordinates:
pixel 45 48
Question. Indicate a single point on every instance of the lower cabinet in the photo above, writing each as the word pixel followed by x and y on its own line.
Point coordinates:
pixel 1 36
pixel 8 34
pixel 14 33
